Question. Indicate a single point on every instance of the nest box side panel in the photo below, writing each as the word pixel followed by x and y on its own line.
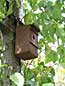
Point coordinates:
pixel 22 38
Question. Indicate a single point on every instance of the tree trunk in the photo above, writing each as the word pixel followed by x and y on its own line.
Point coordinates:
pixel 8 28
pixel 13 63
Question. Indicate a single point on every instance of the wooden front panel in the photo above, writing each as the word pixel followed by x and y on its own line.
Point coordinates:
pixel 34 50
pixel 34 38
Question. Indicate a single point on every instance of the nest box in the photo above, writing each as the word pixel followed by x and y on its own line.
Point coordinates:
pixel 26 45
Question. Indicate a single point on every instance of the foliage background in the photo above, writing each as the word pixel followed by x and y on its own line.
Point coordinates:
pixel 49 16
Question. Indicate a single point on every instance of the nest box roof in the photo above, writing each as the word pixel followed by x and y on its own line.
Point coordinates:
pixel 35 27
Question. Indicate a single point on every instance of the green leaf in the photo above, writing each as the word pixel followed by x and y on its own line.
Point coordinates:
pixel 28 74
pixel 61 52
pixel 18 3
pixel 42 3
pixel 28 19
pixel 56 11
pixel 33 4
pixel 0 44
pixel 17 78
pixel 51 55
pixel 10 9
pixel 1 15
pixel 32 83
pixel 3 65
pixel 48 84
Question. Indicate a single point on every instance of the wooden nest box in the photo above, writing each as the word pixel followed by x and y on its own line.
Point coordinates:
pixel 26 44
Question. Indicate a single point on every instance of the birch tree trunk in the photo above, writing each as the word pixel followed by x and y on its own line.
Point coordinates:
pixel 13 63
